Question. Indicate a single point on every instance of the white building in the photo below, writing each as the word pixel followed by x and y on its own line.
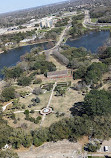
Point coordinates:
pixel 46 22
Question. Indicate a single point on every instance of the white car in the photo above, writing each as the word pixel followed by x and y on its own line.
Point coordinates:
pixel 105 148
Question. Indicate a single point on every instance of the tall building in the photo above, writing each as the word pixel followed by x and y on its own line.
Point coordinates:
pixel 46 22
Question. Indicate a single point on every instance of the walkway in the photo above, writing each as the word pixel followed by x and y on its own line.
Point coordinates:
pixel 4 107
pixel 43 118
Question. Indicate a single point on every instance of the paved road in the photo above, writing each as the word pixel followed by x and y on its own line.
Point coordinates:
pixel 87 21
pixel 61 37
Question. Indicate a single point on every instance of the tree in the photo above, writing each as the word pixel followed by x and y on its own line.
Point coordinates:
pixel 26 112
pixel 93 147
pixel 94 72
pixel 27 141
pixel 37 91
pixel 37 100
pixel 14 72
pixel 97 103
pixel 8 154
pixel 24 81
pixel 37 81
pixel 8 93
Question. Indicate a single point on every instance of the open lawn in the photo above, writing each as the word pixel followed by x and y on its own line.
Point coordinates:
pixel 94 20
pixel 21 122
pixel 60 104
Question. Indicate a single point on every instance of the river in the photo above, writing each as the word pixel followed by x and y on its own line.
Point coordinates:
pixel 91 41
pixel 11 57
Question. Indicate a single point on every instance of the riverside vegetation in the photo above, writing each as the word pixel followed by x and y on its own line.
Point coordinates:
pixel 92 113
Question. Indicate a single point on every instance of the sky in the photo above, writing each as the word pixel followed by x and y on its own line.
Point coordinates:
pixel 12 5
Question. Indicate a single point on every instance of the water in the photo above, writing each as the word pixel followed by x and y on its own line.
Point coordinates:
pixel 13 56
pixel 91 41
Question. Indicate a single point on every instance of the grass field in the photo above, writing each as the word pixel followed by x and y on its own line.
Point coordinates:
pixel 94 20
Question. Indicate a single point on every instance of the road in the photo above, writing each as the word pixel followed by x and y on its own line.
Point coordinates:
pixel 49 51
pixel 61 37
pixel 87 21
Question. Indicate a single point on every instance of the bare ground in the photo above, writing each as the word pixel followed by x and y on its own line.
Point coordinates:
pixel 60 149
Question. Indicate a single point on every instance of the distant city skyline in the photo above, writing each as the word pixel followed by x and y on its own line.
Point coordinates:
pixel 14 5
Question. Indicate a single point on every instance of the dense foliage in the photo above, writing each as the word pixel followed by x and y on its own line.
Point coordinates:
pixel 8 94
pixel 98 103
pixel 105 56
pixel 77 27
pixel 77 57
pixel 17 37
pixel 24 81
pixel 14 72
pixel 62 22
pixel 5 132
pixel 53 33
pixel 8 154
pixel 94 72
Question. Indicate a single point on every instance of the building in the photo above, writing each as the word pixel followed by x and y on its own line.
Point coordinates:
pixel 9 44
pixel 57 74
pixel 46 22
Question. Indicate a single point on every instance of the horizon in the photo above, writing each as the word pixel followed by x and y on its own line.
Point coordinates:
pixel 19 5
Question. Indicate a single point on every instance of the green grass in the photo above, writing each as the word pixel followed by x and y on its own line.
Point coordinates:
pixel 94 20
pixel 43 30
pixel 105 27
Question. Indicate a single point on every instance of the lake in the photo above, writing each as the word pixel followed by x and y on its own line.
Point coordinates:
pixel 91 41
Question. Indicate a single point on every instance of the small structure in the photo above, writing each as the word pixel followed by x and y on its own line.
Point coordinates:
pixel 5 147
pixel 57 74
pixel 46 111
pixel 9 44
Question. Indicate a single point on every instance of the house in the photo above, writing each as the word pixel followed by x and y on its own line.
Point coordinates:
pixel 57 74
pixel 9 44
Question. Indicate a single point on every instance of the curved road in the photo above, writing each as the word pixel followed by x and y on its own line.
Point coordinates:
pixel 87 21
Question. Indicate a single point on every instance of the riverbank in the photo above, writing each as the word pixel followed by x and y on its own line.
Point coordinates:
pixel 27 44
pixel 1 52
pixel 91 40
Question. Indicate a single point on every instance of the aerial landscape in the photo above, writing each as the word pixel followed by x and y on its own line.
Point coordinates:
pixel 55 79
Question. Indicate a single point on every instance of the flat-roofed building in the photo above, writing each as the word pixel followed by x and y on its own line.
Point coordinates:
pixel 57 74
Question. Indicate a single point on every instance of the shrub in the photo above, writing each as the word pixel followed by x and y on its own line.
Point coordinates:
pixel 37 81
pixel 8 93
pixel 26 112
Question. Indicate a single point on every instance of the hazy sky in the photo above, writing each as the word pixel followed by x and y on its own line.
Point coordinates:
pixel 12 5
